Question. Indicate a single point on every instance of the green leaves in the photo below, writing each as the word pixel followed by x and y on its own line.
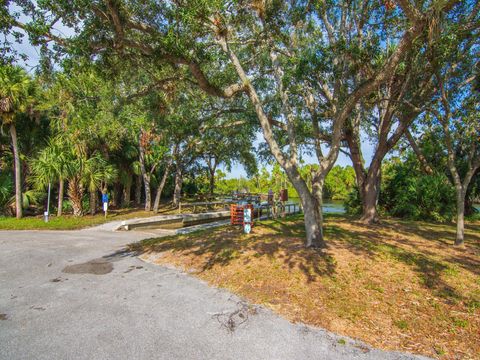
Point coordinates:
pixel 410 194
pixel 17 92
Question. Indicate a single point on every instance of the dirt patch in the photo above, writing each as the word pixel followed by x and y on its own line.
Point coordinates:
pixel 3 317
pixel 95 266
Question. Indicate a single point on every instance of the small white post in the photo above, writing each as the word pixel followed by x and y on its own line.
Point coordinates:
pixel 46 213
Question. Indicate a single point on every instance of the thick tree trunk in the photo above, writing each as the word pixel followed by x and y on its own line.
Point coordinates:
pixel 371 192
pixel 61 183
pixel 313 219
pixel 178 187
pixel 317 190
pixel 138 190
pixel 93 202
pixel 75 194
pixel 17 172
pixel 459 239
pixel 160 189
pixel 127 189
pixel 312 210
pixel 369 214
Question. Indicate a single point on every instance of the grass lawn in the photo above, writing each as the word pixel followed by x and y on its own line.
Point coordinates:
pixel 398 285
pixel 70 222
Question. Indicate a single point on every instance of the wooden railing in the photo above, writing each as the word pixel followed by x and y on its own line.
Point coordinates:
pixel 207 204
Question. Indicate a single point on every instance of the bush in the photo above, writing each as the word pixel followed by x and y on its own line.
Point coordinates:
pixel 67 206
pixel 409 194
pixel 6 189
pixel 353 204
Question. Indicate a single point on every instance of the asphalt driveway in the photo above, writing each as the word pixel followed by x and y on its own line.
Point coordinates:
pixel 79 295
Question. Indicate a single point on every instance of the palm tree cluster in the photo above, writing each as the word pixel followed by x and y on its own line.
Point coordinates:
pixel 17 97
pixel 80 136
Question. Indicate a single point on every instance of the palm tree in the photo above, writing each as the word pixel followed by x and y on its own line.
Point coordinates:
pixel 97 174
pixel 75 192
pixel 16 97
pixel 50 166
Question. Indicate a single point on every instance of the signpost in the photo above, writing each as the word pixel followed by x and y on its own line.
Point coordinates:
pixel 242 215
pixel 247 220
pixel 46 213
pixel 105 203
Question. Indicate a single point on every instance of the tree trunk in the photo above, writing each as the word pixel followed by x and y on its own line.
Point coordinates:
pixel 371 192
pixel 116 194
pixel 178 187
pixel 145 176
pixel 418 152
pixel 160 189
pixel 317 190
pixel 93 202
pixel 313 221
pixel 148 192
pixel 312 210
pixel 138 190
pixel 18 174
pixel 75 193
pixel 353 142
pixel 212 166
pixel 459 240
pixel 61 183
pixel 127 189
pixel 212 182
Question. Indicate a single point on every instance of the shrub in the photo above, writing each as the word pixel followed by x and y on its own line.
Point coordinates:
pixel 353 204
pixel 409 194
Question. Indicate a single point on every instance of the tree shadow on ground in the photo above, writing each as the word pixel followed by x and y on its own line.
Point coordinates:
pixel 438 239
pixel 220 247
pixel 281 241
pixel 373 241
pixel 440 234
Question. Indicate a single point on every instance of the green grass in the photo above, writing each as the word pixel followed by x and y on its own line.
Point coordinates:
pixel 68 222
pixel 401 324
pixel 62 223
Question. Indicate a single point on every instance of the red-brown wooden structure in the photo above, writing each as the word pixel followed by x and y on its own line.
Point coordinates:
pixel 236 214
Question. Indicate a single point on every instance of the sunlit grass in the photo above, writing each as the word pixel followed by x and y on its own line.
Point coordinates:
pixel 70 222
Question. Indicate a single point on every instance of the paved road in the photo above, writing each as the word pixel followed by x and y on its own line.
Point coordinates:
pixel 134 310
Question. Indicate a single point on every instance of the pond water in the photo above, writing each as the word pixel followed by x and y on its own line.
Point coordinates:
pixel 329 206
pixel 333 207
